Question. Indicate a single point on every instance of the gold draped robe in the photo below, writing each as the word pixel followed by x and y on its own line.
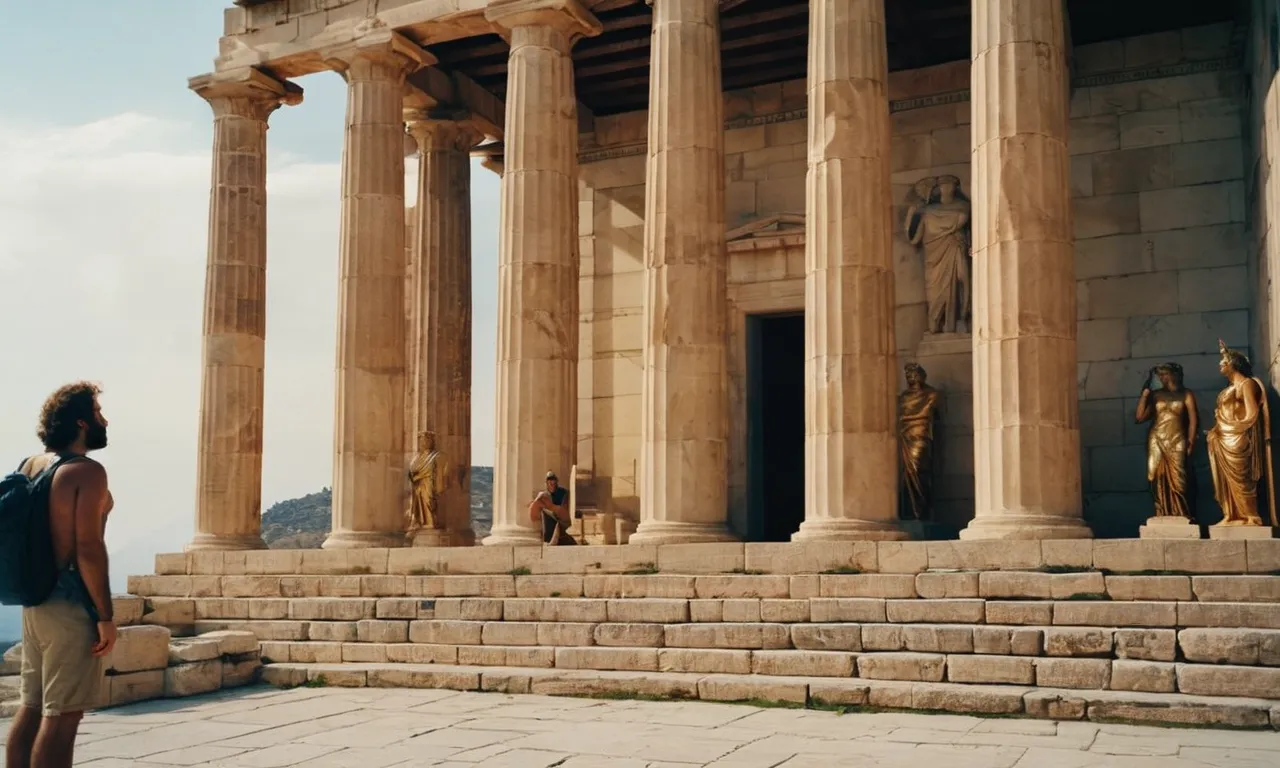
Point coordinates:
pixel 1167 454
pixel 915 444
pixel 428 474
pixel 1237 455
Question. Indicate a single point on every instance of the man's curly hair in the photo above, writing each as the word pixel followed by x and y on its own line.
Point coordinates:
pixel 69 404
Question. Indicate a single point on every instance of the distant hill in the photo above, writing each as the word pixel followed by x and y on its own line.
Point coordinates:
pixel 304 522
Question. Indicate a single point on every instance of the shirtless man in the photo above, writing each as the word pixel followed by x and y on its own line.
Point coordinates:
pixel 65 639
pixel 552 507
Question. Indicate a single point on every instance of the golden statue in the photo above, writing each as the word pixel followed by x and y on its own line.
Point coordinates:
pixel 917 411
pixel 429 476
pixel 1174 420
pixel 1240 444
pixel 938 221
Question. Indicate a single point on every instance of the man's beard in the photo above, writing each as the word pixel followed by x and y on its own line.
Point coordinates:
pixel 95 437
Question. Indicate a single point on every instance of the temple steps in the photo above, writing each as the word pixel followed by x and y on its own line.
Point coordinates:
pixel 852 693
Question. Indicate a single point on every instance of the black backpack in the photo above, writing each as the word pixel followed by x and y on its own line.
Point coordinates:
pixel 28 569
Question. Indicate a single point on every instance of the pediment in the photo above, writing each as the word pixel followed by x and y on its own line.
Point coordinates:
pixel 776 231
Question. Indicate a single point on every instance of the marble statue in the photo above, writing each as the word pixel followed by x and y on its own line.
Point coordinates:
pixel 917 413
pixel 1239 444
pixel 429 476
pixel 938 222
pixel 1172 413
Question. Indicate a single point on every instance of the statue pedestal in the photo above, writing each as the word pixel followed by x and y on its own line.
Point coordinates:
pixel 1243 532
pixel 1169 528
pixel 431 537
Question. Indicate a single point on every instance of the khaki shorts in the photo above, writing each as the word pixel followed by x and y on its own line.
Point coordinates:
pixel 60 675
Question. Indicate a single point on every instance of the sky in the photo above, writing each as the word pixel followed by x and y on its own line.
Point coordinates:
pixel 104 190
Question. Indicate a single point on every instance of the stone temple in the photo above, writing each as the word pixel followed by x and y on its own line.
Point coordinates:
pixel 726 227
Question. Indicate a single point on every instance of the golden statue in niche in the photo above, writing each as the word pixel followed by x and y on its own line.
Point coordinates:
pixel 917 412
pixel 1172 413
pixel 1239 444
pixel 429 476
pixel 938 222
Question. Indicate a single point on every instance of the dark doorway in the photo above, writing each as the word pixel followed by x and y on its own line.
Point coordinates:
pixel 775 426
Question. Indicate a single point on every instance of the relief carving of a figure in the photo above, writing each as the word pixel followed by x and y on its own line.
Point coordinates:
pixel 938 222
pixel 429 475
pixel 1239 444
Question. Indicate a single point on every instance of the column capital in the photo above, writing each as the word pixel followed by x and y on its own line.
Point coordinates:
pixel 568 16
pixel 245 92
pixel 442 128
pixel 377 44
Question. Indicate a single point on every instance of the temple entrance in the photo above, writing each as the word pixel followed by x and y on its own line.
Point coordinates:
pixel 775 426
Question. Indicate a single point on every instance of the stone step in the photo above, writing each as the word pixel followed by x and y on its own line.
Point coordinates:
pixel 1116 556
pixel 957 585
pixel 1042 671
pixel 182 612
pixel 1050 703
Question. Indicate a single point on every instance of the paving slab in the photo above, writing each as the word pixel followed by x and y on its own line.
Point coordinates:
pixel 405 728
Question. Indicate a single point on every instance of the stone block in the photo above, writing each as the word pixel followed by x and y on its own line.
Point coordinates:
pixel 1206 162
pixel 924 638
pixel 972 668
pixel 751 636
pixel 425 677
pixel 623 659
pixel 127 609
pixel 947 586
pixel 1078 641
pixel 704 660
pixel 1102 339
pixel 1190 333
pixel 135 686
pixel 190 649
pixel 332 631
pixel 548 609
pixel 1236 589
pixel 655 586
pixel 810 557
pixel 398 608
pixel 1110 256
pixel 1022 585
pixel 1055 705
pixel 233 642
pixel 1150 128
pixel 1128 555
pixel 827 637
pixel 1182 207
pixel 892 694
pixel 1097 133
pixel 1199 247
pixel 219 608
pixel 1231 646
pixel 701 558
pixel 192 678
pixel 739 688
pixel 729 587
pixel 1081 176
pixel 382 631
pixel 741 610
pixel 833 609
pixel 1101 613
pixel 935 611
pixel 383 586
pixel 784 611
pixel 1243 615
pixel 647 684
pixel 1132 169
pixel 582 560
pixel 902 556
pixel 1263 556
pixel 139 649
pixel 488 656
pixel 171 564
pixel 803 663
pixel 1168 528
pixel 338 562
pixel 437 632
pixel 1146 644
pixel 988 700
pixel 412 653
pixel 1067 553
pixel 1205 556
pixel 882 585
pixel 1148 676
pixel 989 555
pixel 566 634
pixel 647 611
pixel 460 586
pixel 1208 119
pixel 1027 613
pixel 1089 674
pixel 1156 588
pixel 1105 215
pixel 992 641
pixel 635 635
pixel 706 610
pixel 509 633
pixel 805 586
pixel 315 652
pixel 549 586
pixel 1150 293
pixel 331 609
pixel 883 637
pixel 1222 680
pixel 920 667
pixel 172 612
pixel 1026 642
pixel 839 692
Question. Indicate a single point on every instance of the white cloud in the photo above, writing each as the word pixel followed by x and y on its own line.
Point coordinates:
pixel 103 231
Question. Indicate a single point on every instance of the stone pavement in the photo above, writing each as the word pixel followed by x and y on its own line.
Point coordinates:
pixel 385 728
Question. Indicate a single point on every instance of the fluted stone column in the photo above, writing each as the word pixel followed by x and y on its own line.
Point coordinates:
pixel 538 260
pixel 851 454
pixel 370 482
pixel 1026 428
pixel 229 464
pixel 440 319
pixel 684 467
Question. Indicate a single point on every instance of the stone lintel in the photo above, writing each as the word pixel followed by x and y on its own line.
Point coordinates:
pixel 571 15
pixel 374 40
pixel 245 82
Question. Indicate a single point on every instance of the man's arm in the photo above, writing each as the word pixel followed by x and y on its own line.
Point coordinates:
pixel 87 483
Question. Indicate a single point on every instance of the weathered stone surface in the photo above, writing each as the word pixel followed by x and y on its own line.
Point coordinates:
pixel 491 609
pixel 172 612
pixel 193 678
pixel 565 634
pixel 740 610
pixel 139 649
pixel 922 667
pixel 947 585
pixel 1158 588
pixel 827 637
pixel 1148 676
pixel 653 586
pixel 446 632
pixel 191 649
pixel 1236 589
pixel 1146 644
pixel 233 642
pixel 846 609
pixel 1091 674
pixel 738 688
pixel 936 611
pixel 735 662
pixel 882 585
pixel 648 611
pixel 1223 680
pixel 728 587
pixel 1071 641
pixel 135 686
pixel 382 631
pixel 963 668
pixel 1231 646
pixel 883 637
pixel 398 608
pixel 551 586
pixel 333 631
pixel 938 639
pixel 803 663
pixel 1019 613
pixel 991 640
pixel 1244 615
pixel 637 635
pixel 1026 642
pixel 1023 585
pixel 784 611
pixel 760 636
pixel 623 659
pixel 1100 613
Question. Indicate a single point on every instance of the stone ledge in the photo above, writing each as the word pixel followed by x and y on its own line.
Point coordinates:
pixel 1116 556
pixel 1059 704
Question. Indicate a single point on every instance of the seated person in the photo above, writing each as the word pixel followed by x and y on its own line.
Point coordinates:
pixel 552 506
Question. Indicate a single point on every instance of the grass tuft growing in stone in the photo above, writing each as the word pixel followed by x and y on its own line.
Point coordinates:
pixel 422 572
pixel 749 571
pixel 1089 596
pixel 642 569
pixel 844 570
pixel 1064 569
pixel 521 571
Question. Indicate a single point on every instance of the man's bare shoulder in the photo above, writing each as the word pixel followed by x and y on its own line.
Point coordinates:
pixel 83 471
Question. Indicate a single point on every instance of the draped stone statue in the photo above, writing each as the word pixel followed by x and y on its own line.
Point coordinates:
pixel 917 411
pixel 429 475
pixel 1172 413
pixel 1239 444
pixel 938 222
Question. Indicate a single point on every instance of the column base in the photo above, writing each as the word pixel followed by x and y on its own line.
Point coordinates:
pixel 512 536
pixel 363 540
pixel 848 530
pixel 1025 526
pixel 655 532
pixel 212 542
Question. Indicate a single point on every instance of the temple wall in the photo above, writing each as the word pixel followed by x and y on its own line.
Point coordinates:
pixel 1262 137
pixel 1158 162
